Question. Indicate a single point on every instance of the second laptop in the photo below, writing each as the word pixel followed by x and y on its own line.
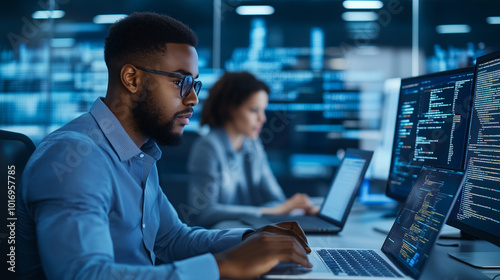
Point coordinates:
pixel 338 202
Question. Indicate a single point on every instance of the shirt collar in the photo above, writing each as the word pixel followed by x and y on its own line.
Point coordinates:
pixel 221 132
pixel 119 139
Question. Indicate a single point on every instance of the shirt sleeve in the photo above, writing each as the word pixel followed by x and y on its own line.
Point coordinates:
pixel 68 195
pixel 176 241
pixel 205 187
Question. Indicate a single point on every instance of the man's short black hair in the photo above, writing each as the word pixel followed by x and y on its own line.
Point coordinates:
pixel 143 35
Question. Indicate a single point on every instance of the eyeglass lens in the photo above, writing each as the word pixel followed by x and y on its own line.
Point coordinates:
pixel 188 84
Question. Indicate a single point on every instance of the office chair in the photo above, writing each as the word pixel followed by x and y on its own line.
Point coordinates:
pixel 15 150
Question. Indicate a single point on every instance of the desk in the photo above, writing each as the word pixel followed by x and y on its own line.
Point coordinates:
pixel 359 233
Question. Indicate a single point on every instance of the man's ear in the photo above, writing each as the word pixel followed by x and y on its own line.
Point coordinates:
pixel 131 78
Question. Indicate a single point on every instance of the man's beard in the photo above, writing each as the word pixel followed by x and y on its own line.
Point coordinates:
pixel 147 115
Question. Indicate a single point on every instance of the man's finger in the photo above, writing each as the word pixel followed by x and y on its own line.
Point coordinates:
pixel 290 256
pixel 295 227
pixel 289 232
pixel 278 244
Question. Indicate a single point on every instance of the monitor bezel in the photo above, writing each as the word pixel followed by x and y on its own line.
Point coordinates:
pixel 402 198
pixel 453 222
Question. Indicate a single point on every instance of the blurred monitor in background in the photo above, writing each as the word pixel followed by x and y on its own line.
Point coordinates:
pixel 373 189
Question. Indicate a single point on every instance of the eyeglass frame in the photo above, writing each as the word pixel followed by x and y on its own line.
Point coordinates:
pixel 179 76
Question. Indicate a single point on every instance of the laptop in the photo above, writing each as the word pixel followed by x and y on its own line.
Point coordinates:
pixel 338 202
pixel 406 247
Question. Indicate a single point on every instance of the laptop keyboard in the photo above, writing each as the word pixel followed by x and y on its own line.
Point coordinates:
pixel 365 263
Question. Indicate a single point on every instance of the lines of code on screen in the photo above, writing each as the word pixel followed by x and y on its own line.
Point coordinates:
pixel 480 198
pixel 418 224
pixel 431 127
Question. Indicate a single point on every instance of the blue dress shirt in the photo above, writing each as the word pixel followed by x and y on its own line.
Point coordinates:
pixel 91 208
pixel 225 184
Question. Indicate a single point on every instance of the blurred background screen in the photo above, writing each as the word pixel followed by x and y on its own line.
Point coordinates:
pixel 334 69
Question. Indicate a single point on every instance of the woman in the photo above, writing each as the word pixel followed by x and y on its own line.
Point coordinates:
pixel 229 172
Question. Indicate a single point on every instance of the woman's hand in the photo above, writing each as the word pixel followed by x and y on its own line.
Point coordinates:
pixel 298 201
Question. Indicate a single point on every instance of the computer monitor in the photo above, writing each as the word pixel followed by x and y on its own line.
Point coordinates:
pixel 477 210
pixel 431 126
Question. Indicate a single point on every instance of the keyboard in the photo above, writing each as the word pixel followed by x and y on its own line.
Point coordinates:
pixel 366 263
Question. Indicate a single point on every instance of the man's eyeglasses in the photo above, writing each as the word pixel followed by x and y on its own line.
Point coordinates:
pixel 187 82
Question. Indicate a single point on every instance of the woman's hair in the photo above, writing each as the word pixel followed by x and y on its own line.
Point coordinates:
pixel 228 93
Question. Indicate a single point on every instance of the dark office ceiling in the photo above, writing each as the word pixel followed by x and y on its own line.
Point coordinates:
pixel 291 18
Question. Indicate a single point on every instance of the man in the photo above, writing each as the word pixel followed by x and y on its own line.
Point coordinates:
pixel 91 207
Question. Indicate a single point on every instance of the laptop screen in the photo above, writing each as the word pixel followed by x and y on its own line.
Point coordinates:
pixel 417 226
pixel 345 185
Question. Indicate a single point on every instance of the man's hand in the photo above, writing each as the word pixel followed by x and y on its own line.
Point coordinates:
pixel 260 252
pixel 285 228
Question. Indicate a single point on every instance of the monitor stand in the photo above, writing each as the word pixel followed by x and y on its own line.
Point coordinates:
pixel 478 259
pixel 460 234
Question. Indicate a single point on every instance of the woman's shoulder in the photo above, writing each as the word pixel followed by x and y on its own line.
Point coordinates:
pixel 254 145
pixel 210 141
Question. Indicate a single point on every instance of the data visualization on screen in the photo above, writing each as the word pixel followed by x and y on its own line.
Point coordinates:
pixel 431 126
pixel 478 208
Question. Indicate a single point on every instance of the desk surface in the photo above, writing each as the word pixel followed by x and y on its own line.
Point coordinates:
pixel 359 233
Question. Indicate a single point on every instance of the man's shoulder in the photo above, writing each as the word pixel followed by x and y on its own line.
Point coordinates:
pixel 82 124
pixel 82 129
pixel 65 138
pixel 68 154
pixel 81 135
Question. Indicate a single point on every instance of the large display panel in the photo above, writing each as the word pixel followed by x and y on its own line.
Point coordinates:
pixel 478 209
pixel 431 126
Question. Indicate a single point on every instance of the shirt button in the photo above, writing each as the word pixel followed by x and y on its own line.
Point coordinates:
pixel 143 225
pixel 141 155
